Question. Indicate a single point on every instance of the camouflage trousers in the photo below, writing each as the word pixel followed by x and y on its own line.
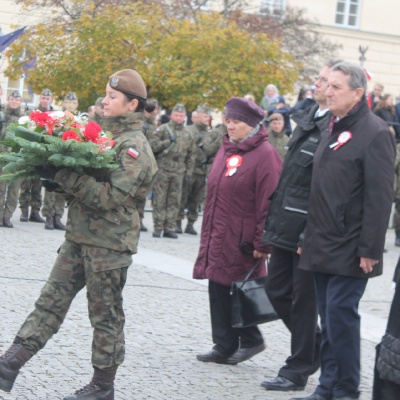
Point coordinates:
pixel 31 194
pixel 167 192
pixel 53 205
pixel 9 197
pixel 195 192
pixel 78 266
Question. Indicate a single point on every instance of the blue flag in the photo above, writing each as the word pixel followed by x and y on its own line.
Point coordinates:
pixel 6 40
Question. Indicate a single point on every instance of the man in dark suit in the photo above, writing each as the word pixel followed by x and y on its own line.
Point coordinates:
pixel 349 208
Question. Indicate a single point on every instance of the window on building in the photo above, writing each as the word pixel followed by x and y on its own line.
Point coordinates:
pixel 347 12
pixel 272 7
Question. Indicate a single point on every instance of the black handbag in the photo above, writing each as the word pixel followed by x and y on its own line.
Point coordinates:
pixel 250 302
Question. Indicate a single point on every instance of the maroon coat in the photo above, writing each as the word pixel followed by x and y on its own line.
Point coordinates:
pixel 235 209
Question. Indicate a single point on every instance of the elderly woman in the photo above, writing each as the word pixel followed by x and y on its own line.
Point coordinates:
pixel 244 174
pixel 102 234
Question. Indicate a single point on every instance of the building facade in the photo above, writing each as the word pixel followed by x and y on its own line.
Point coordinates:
pixel 366 30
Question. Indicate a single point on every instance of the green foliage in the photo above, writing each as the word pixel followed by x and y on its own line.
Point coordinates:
pixel 202 60
pixel 55 152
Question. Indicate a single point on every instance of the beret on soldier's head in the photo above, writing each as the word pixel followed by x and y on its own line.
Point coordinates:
pixel 71 96
pixel 203 110
pixel 275 117
pixel 179 108
pixel 46 92
pixel 128 81
pixel 99 102
pixel 244 110
pixel 15 94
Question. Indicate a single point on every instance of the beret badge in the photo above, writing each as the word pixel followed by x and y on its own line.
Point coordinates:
pixel 114 81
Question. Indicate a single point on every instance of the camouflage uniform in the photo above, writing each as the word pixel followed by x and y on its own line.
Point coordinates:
pixel 193 191
pixel 9 191
pixel 279 140
pixel 102 234
pixel 175 161
pixel 149 127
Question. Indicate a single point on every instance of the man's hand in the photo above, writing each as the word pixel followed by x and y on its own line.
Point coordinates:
pixel 366 264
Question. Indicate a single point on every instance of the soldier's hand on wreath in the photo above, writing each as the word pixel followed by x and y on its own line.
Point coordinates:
pixel 48 172
pixel 50 186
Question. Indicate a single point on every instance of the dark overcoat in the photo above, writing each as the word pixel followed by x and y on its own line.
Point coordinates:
pixel 351 196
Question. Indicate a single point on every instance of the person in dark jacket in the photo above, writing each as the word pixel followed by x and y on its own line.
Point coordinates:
pixel 350 203
pixel 243 176
pixel 290 289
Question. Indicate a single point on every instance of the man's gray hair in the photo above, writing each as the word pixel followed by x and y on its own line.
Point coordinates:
pixel 356 74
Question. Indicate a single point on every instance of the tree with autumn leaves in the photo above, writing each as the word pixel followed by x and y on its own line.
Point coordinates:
pixel 201 58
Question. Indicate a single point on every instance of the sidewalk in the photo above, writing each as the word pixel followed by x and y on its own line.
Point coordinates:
pixel 167 324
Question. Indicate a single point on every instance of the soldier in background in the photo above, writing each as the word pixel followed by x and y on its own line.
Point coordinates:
pixel 71 103
pixel 149 126
pixel 193 190
pixel 31 188
pixel 98 111
pixel 277 135
pixel 9 190
pixel 173 147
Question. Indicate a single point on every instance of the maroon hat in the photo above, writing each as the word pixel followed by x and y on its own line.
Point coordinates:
pixel 244 110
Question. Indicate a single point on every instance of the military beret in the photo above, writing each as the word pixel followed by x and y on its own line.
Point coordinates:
pixel 203 110
pixel 71 96
pixel 129 82
pixel 244 110
pixel 275 117
pixel 46 92
pixel 15 94
pixel 99 102
pixel 179 108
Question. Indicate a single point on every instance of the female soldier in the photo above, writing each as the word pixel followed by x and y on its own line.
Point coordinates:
pixel 102 234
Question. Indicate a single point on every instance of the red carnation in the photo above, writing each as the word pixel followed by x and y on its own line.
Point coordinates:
pixel 92 130
pixel 41 118
pixel 70 135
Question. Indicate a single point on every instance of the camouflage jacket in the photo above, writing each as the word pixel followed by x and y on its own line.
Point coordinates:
pixel 199 133
pixel 212 142
pixel 279 140
pixel 149 126
pixel 178 157
pixel 102 212
pixel 9 116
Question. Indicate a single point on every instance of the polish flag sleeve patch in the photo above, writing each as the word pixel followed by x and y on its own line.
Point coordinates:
pixel 132 152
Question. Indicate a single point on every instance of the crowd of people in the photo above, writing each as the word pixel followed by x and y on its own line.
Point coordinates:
pixel 314 202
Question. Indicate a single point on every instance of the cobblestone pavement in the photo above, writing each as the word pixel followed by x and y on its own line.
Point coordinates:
pixel 167 324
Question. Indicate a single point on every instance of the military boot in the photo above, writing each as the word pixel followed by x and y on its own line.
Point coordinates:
pixel 49 224
pixel 24 215
pixel 170 235
pixel 58 224
pixel 35 217
pixel 157 233
pixel 7 223
pixel 10 364
pixel 189 229
pixel 142 227
pixel 1 220
pixel 397 240
pixel 101 387
pixel 178 227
